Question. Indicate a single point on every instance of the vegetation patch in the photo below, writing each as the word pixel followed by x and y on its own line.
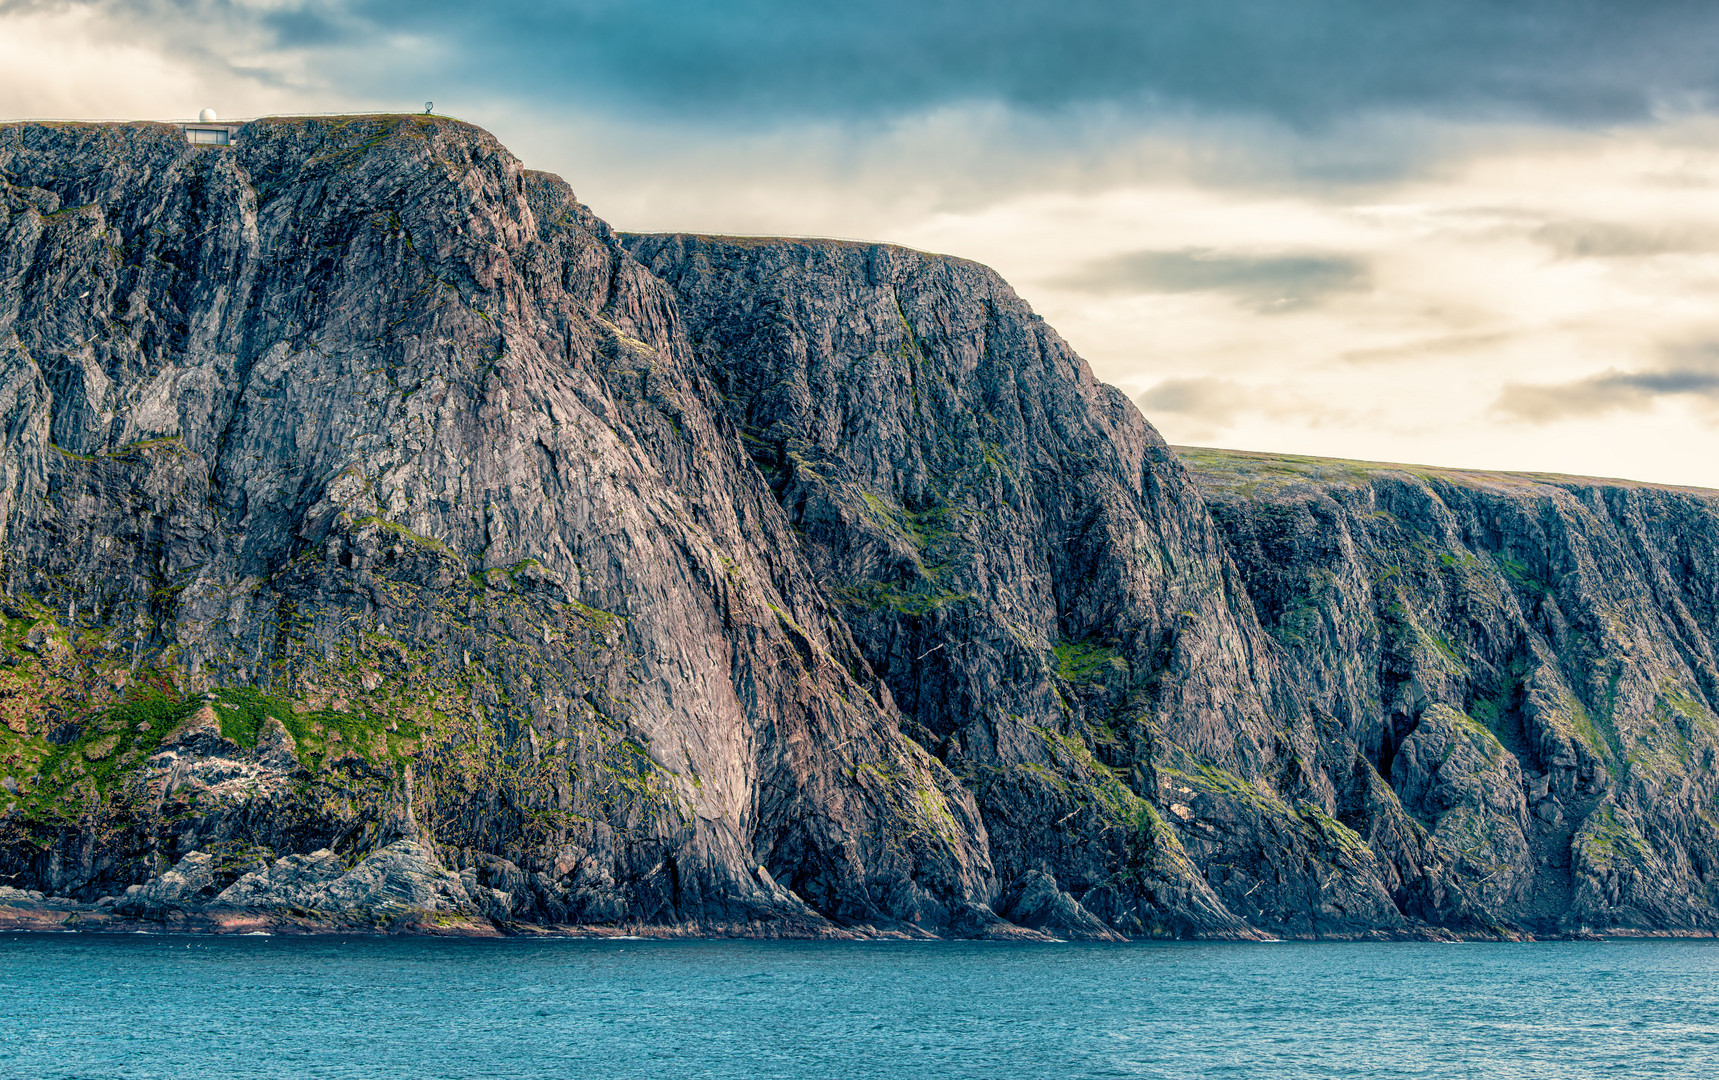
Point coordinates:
pixel 1609 842
pixel 1215 780
pixel 1495 709
pixel 1523 577
pixel 1330 834
pixel 1088 663
pixel 112 743
pixel 1253 474
pixel 1301 617
pixel 921 597
pixel 401 531
pixel 1595 732
pixel 320 733
pixel 1477 734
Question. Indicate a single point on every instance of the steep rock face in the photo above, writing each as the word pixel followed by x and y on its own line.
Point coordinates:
pixel 387 449
pixel 384 542
pixel 1529 659
pixel 1029 569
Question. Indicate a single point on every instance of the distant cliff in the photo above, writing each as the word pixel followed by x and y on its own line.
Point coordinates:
pixel 389 543
pixel 1528 660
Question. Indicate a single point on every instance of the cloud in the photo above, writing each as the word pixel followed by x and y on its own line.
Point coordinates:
pixel 304 27
pixel 1315 226
pixel 1266 283
pixel 1422 349
pixel 53 64
pixel 1611 240
pixel 1202 406
pixel 1213 401
pixel 752 62
pixel 1300 60
pixel 1691 373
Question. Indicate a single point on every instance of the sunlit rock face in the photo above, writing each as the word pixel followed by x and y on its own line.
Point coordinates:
pixel 388 543
pixel 386 444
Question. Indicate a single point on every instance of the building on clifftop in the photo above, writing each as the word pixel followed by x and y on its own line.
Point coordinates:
pixel 208 132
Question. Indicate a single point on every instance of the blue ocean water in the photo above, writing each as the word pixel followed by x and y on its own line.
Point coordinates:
pixel 168 1007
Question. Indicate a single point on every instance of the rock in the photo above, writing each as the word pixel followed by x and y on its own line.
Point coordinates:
pixel 762 587
pixel 1481 637
pixel 189 884
pixel 526 459
pixel 1032 577
pixel 295 881
pixel 1467 788
pixel 400 879
pixel 276 747
pixel 494 904
pixel 404 876
pixel 199 734
pixel 1042 906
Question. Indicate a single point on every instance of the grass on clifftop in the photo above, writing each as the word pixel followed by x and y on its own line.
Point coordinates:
pixel 1249 472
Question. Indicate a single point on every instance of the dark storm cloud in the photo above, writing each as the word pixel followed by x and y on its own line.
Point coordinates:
pixel 1305 61
pixel 1281 282
pixel 1688 373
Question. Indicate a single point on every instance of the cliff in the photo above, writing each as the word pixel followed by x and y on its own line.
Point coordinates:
pixel 389 543
pixel 359 489
pixel 1034 576
pixel 1529 660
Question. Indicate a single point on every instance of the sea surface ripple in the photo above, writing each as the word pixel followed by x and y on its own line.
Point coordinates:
pixel 161 1007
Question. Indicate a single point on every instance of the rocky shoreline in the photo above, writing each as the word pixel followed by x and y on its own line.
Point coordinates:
pixel 34 912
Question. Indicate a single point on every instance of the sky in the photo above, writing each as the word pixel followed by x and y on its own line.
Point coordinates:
pixel 1478 233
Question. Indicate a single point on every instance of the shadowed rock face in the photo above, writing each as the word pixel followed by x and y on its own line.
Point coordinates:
pixel 1529 659
pixel 1032 572
pixel 388 543
pixel 1039 582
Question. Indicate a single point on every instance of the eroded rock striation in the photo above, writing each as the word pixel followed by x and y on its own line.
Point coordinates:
pixel 388 543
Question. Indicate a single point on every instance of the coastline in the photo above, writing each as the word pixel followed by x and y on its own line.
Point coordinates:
pixel 24 913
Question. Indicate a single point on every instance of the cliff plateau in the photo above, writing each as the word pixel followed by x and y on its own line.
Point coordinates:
pixel 389 543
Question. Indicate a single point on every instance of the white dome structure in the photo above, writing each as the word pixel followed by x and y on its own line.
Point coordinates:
pixel 207 116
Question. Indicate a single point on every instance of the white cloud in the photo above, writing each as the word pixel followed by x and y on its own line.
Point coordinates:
pixel 57 65
pixel 87 62
pixel 1510 299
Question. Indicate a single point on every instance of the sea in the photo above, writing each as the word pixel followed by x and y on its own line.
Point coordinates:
pixel 162 1006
